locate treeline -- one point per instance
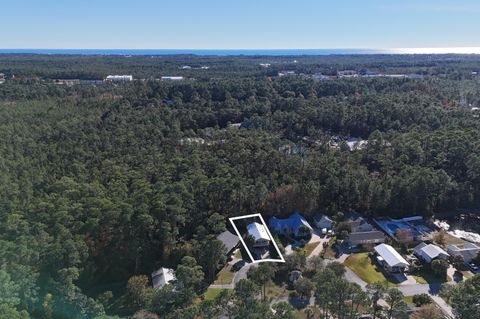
(88, 67)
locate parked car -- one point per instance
(238, 265)
(473, 267)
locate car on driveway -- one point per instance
(238, 265)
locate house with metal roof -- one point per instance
(163, 276)
(390, 259)
(323, 221)
(259, 233)
(294, 226)
(230, 241)
(468, 251)
(357, 222)
(365, 238)
(430, 252)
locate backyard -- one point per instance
(363, 267)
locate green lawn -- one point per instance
(307, 249)
(408, 299)
(211, 293)
(225, 276)
(420, 279)
(329, 252)
(426, 277)
(362, 265)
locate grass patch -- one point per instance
(427, 277)
(451, 240)
(408, 299)
(274, 291)
(307, 249)
(467, 274)
(225, 276)
(329, 252)
(211, 293)
(362, 266)
(420, 279)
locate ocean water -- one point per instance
(280, 52)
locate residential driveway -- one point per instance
(295, 302)
(352, 277)
(447, 310)
(242, 273)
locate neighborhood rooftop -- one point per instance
(295, 221)
(430, 251)
(229, 240)
(162, 276)
(366, 237)
(390, 255)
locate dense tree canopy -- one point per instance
(102, 182)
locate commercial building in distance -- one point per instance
(119, 78)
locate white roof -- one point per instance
(390, 255)
(162, 276)
(432, 251)
(258, 231)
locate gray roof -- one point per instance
(368, 235)
(228, 239)
(322, 218)
(432, 251)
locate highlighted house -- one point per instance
(390, 259)
(259, 233)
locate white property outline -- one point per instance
(232, 219)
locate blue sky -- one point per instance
(239, 24)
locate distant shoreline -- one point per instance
(249, 52)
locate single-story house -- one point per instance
(163, 276)
(390, 259)
(294, 226)
(323, 221)
(259, 233)
(230, 241)
(430, 252)
(363, 238)
(357, 222)
(468, 251)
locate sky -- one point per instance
(238, 24)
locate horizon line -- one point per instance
(287, 51)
